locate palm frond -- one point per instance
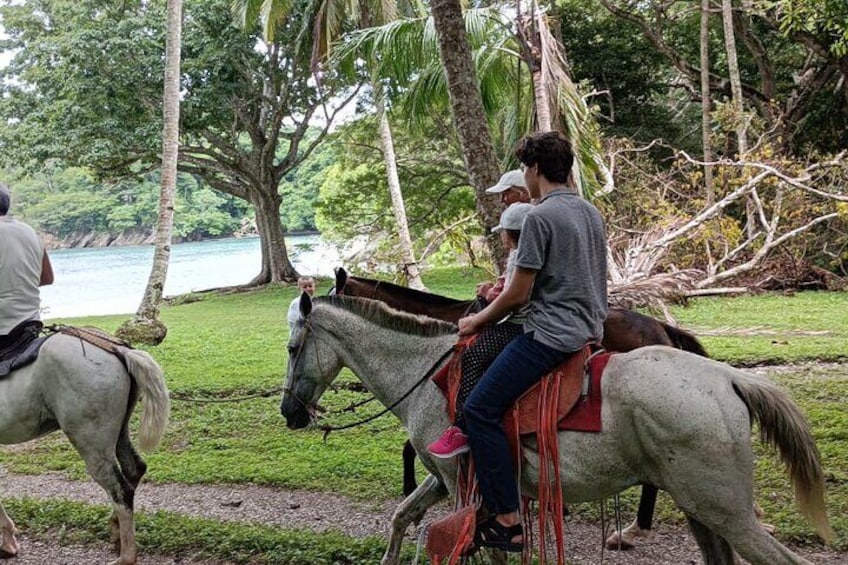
(654, 292)
(270, 14)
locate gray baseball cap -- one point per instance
(513, 217)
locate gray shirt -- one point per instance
(20, 273)
(564, 240)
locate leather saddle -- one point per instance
(20, 347)
(562, 388)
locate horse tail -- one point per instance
(681, 339)
(151, 383)
(784, 427)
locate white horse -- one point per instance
(670, 418)
(89, 394)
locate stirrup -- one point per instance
(492, 533)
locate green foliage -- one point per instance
(614, 57)
(354, 198)
(300, 188)
(406, 53)
(825, 19)
(71, 202)
(56, 102)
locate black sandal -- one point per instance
(492, 533)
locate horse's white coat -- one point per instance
(670, 418)
(85, 392)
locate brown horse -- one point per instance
(624, 330)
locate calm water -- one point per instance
(111, 280)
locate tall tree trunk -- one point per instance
(276, 266)
(738, 107)
(410, 266)
(146, 326)
(543, 104)
(469, 118)
(706, 101)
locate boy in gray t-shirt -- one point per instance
(561, 272)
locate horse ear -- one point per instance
(341, 279)
(305, 305)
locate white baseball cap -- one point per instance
(513, 217)
(508, 180)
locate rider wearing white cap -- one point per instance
(511, 188)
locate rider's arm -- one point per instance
(515, 295)
(46, 271)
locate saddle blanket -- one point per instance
(574, 387)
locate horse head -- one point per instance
(312, 366)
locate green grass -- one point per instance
(235, 345)
(786, 318)
(178, 535)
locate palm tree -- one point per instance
(517, 87)
(469, 117)
(146, 327)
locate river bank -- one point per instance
(141, 237)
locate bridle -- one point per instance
(327, 428)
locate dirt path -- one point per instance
(298, 509)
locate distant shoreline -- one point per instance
(137, 237)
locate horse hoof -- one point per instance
(618, 542)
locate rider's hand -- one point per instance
(467, 326)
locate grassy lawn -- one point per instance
(771, 328)
(234, 345)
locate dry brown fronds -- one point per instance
(654, 293)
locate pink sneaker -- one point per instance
(452, 443)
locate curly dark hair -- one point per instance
(551, 151)
(5, 199)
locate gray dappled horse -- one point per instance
(90, 395)
(624, 330)
(670, 418)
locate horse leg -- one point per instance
(133, 468)
(714, 549)
(9, 545)
(101, 464)
(641, 526)
(722, 501)
(409, 483)
(753, 543)
(412, 508)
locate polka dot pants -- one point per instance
(477, 358)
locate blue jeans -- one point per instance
(520, 365)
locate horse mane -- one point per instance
(386, 317)
(413, 294)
